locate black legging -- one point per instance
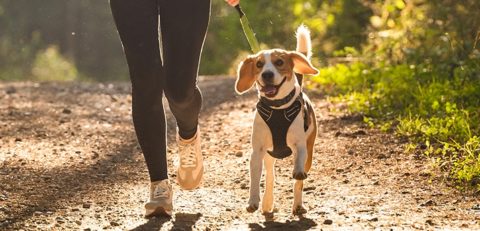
(183, 25)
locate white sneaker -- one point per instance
(190, 169)
(160, 199)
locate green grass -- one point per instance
(437, 107)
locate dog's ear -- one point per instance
(245, 75)
(301, 64)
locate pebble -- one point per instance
(37, 213)
(327, 222)
(67, 111)
(428, 203)
(86, 205)
(381, 156)
(11, 90)
(359, 133)
(311, 188)
(60, 220)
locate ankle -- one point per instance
(188, 135)
(187, 140)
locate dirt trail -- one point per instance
(69, 161)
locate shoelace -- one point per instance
(187, 155)
(160, 191)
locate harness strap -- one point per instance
(278, 121)
(278, 102)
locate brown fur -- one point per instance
(311, 140)
(286, 68)
(246, 75)
(248, 70)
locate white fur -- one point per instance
(304, 44)
(296, 139)
(287, 87)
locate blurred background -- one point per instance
(71, 39)
(407, 66)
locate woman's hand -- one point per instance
(233, 2)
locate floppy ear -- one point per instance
(301, 64)
(245, 75)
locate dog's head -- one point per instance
(273, 71)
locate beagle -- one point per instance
(284, 122)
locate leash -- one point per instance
(247, 30)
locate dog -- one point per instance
(284, 122)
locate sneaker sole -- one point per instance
(198, 185)
(159, 212)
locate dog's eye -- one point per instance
(279, 62)
(260, 64)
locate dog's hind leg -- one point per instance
(310, 143)
(256, 161)
(267, 202)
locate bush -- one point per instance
(418, 74)
(50, 65)
(424, 104)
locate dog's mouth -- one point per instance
(271, 90)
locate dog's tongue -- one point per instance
(269, 90)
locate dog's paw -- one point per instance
(299, 175)
(267, 210)
(252, 208)
(299, 210)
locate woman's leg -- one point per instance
(137, 24)
(183, 27)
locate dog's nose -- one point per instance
(267, 76)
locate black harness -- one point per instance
(279, 120)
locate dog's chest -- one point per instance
(279, 121)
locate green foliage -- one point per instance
(49, 65)
(85, 33)
(419, 75)
(467, 168)
(427, 106)
(335, 24)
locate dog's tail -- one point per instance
(304, 42)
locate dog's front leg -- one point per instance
(256, 161)
(300, 160)
(298, 207)
(267, 202)
(299, 174)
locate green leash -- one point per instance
(247, 30)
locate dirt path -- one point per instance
(69, 161)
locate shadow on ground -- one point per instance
(37, 189)
(303, 223)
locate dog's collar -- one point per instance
(278, 102)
